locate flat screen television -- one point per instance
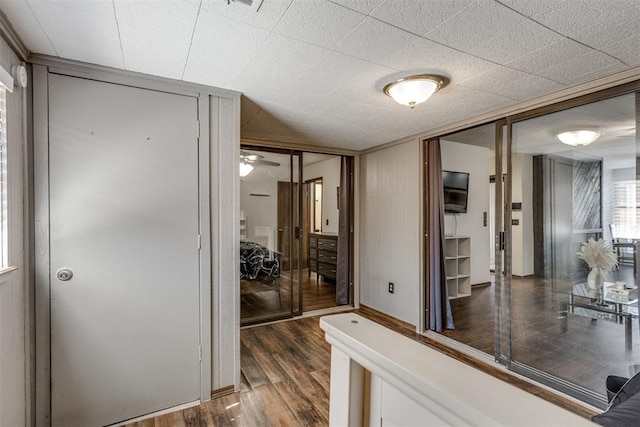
(456, 191)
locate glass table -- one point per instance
(608, 304)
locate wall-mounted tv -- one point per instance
(456, 191)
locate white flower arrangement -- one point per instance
(598, 254)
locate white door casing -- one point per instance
(125, 329)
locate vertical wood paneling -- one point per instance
(14, 342)
(390, 225)
(225, 210)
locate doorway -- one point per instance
(270, 250)
(123, 288)
(303, 222)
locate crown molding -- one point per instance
(297, 146)
(11, 37)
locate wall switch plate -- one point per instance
(484, 219)
(391, 287)
(515, 222)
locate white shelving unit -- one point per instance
(243, 226)
(457, 253)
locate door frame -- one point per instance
(42, 264)
(293, 179)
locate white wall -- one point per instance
(260, 210)
(390, 224)
(522, 234)
(14, 362)
(329, 171)
(475, 161)
(521, 192)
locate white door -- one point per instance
(124, 220)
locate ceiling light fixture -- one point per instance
(414, 90)
(245, 169)
(578, 138)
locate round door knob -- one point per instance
(64, 274)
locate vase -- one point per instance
(595, 279)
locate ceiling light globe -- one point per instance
(413, 90)
(578, 138)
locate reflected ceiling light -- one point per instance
(578, 138)
(245, 169)
(414, 90)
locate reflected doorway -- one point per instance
(292, 233)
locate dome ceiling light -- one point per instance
(578, 138)
(414, 90)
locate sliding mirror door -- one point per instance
(269, 235)
(467, 161)
(573, 179)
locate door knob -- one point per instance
(64, 274)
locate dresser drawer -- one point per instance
(313, 253)
(313, 241)
(327, 243)
(327, 270)
(327, 256)
(313, 265)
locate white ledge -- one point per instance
(454, 392)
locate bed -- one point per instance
(258, 261)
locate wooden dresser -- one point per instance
(323, 255)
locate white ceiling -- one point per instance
(614, 118)
(312, 70)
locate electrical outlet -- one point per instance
(327, 221)
(515, 221)
(484, 219)
(391, 287)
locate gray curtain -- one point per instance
(345, 216)
(440, 316)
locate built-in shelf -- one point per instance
(458, 266)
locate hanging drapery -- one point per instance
(440, 316)
(343, 280)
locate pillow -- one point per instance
(628, 389)
(624, 414)
(614, 384)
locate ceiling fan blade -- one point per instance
(263, 162)
(250, 156)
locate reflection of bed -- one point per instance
(258, 261)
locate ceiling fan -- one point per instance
(255, 159)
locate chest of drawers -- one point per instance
(323, 255)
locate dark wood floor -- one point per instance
(585, 354)
(272, 296)
(285, 378)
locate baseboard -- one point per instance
(222, 392)
(383, 318)
(158, 413)
(481, 285)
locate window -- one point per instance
(625, 215)
(4, 238)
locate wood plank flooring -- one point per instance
(285, 378)
(273, 296)
(585, 354)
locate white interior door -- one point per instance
(124, 219)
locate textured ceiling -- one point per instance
(312, 70)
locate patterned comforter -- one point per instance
(256, 260)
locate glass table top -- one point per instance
(611, 294)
